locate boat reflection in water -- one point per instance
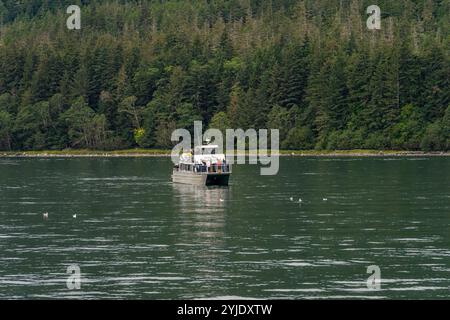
(201, 238)
(200, 199)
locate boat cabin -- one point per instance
(204, 159)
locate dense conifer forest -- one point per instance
(139, 69)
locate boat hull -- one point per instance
(210, 179)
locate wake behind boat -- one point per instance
(204, 167)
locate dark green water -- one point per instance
(138, 236)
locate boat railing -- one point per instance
(205, 169)
(214, 168)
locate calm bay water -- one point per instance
(138, 236)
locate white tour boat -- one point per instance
(205, 166)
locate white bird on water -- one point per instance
(45, 215)
(300, 200)
(325, 199)
(221, 200)
(74, 216)
(291, 198)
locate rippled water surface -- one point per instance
(138, 236)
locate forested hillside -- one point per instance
(139, 69)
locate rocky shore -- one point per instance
(166, 153)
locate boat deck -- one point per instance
(202, 174)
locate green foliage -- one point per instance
(221, 122)
(408, 132)
(139, 69)
(437, 135)
(85, 128)
(139, 135)
(299, 139)
(163, 133)
(128, 106)
(186, 115)
(278, 118)
(5, 130)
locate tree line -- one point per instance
(139, 69)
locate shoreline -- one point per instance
(142, 153)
